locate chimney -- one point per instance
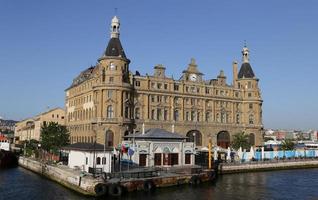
(234, 73)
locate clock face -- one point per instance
(193, 77)
(112, 66)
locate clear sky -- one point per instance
(45, 44)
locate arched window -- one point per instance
(98, 161)
(104, 160)
(194, 136)
(251, 119)
(137, 113)
(110, 112)
(109, 139)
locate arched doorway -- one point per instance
(223, 139)
(195, 136)
(251, 139)
(109, 138)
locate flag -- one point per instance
(131, 152)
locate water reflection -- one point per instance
(19, 183)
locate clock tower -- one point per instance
(192, 73)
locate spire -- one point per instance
(246, 70)
(114, 28)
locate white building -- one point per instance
(158, 147)
(85, 156)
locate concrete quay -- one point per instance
(118, 183)
(230, 168)
(65, 176)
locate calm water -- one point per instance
(19, 184)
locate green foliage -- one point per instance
(240, 140)
(288, 144)
(31, 147)
(53, 137)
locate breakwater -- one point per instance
(69, 178)
(229, 168)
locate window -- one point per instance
(98, 161)
(192, 115)
(236, 94)
(176, 87)
(249, 84)
(152, 98)
(109, 138)
(166, 86)
(110, 112)
(192, 102)
(52, 115)
(176, 115)
(111, 79)
(57, 116)
(158, 98)
(159, 85)
(198, 116)
(249, 94)
(159, 114)
(165, 114)
(153, 114)
(217, 92)
(137, 113)
(126, 112)
(207, 91)
(103, 75)
(237, 118)
(250, 106)
(109, 93)
(137, 83)
(104, 160)
(251, 119)
(86, 161)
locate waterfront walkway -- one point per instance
(276, 164)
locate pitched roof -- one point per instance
(87, 147)
(114, 48)
(156, 133)
(246, 71)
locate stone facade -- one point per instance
(30, 128)
(106, 102)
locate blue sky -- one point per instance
(45, 44)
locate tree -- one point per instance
(53, 137)
(240, 140)
(288, 144)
